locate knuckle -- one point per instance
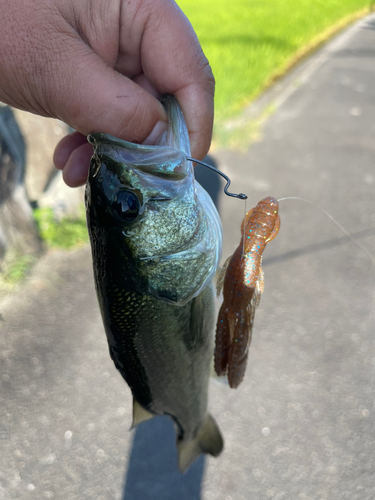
(134, 122)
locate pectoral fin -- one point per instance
(139, 414)
(208, 440)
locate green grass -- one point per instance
(249, 42)
(18, 268)
(67, 233)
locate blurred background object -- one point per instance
(41, 136)
(37, 209)
(18, 232)
(44, 184)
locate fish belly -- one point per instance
(164, 352)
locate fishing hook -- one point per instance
(240, 196)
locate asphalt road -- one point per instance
(301, 426)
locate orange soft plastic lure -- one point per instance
(242, 276)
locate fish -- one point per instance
(156, 241)
(242, 282)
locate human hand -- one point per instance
(101, 66)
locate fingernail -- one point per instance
(157, 131)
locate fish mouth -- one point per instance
(168, 156)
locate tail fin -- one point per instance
(139, 414)
(208, 440)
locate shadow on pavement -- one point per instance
(371, 24)
(152, 470)
(354, 53)
(209, 180)
(317, 247)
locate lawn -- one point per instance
(249, 41)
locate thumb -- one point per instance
(92, 97)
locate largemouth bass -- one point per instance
(156, 243)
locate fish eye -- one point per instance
(126, 205)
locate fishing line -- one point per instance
(243, 232)
(334, 221)
(240, 196)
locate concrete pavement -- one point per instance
(302, 424)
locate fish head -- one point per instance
(144, 209)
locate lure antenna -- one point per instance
(240, 196)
